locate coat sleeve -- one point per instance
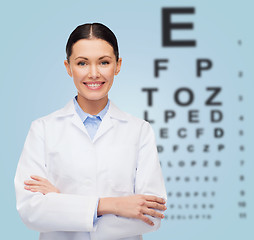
(149, 181)
(53, 211)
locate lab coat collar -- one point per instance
(113, 111)
(106, 124)
(116, 113)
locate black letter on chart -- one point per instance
(209, 101)
(216, 116)
(190, 95)
(150, 95)
(147, 118)
(203, 64)
(168, 26)
(157, 67)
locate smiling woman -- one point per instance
(89, 170)
(92, 65)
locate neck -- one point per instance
(92, 107)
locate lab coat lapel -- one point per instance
(104, 127)
(69, 110)
(78, 123)
(107, 122)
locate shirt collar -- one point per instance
(83, 115)
(113, 111)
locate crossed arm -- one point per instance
(134, 206)
(47, 210)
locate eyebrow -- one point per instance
(99, 57)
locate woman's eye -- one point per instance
(104, 63)
(81, 63)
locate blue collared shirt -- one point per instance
(92, 123)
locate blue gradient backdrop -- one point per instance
(34, 83)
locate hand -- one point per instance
(39, 184)
(135, 206)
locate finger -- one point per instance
(155, 199)
(153, 213)
(35, 189)
(155, 205)
(32, 182)
(146, 220)
(38, 178)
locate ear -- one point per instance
(118, 66)
(68, 68)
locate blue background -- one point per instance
(34, 83)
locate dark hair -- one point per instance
(89, 31)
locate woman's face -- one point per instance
(92, 65)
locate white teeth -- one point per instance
(93, 85)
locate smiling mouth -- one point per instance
(93, 85)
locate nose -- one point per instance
(93, 73)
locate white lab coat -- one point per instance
(121, 160)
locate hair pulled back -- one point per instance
(90, 31)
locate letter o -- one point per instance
(190, 94)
